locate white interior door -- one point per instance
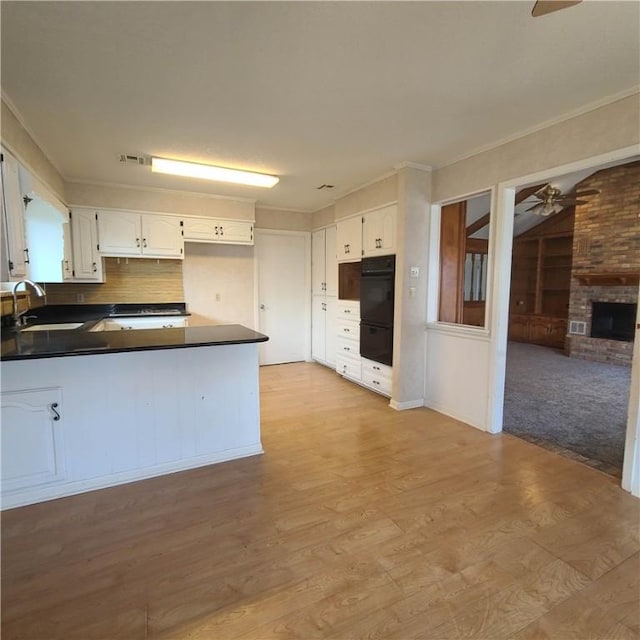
(284, 282)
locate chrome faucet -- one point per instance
(40, 292)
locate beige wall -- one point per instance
(602, 130)
(324, 217)
(412, 242)
(226, 271)
(282, 220)
(161, 200)
(374, 195)
(18, 140)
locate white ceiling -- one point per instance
(315, 92)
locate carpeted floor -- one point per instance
(575, 407)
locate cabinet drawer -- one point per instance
(349, 310)
(348, 329)
(377, 368)
(379, 383)
(349, 366)
(347, 347)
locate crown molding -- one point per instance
(407, 164)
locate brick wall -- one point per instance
(606, 240)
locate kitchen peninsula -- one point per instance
(84, 410)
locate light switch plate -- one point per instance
(415, 272)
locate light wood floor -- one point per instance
(357, 522)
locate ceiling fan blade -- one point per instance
(535, 206)
(569, 202)
(587, 192)
(542, 7)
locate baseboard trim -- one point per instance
(23, 497)
(407, 404)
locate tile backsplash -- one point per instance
(126, 280)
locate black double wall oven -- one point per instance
(377, 287)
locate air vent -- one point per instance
(325, 186)
(577, 328)
(129, 158)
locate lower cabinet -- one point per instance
(32, 439)
(543, 330)
(376, 376)
(323, 329)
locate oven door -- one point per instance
(376, 298)
(376, 343)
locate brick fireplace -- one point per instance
(606, 259)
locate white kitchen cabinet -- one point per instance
(349, 239)
(348, 339)
(157, 322)
(377, 376)
(32, 439)
(218, 230)
(17, 252)
(87, 261)
(139, 235)
(379, 232)
(324, 264)
(323, 332)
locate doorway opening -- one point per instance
(567, 385)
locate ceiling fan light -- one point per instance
(211, 172)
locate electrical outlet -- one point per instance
(218, 297)
(412, 292)
(80, 297)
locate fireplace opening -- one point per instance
(613, 320)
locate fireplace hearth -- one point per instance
(613, 320)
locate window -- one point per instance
(464, 248)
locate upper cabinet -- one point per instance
(369, 234)
(17, 253)
(379, 232)
(139, 235)
(349, 239)
(324, 266)
(218, 230)
(87, 262)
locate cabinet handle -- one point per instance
(138, 242)
(376, 368)
(347, 348)
(26, 255)
(221, 231)
(144, 242)
(346, 330)
(347, 310)
(56, 416)
(167, 326)
(376, 382)
(95, 267)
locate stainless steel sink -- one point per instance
(53, 327)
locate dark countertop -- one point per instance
(18, 345)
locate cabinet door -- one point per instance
(318, 282)
(330, 262)
(13, 210)
(200, 229)
(379, 232)
(519, 328)
(32, 445)
(349, 239)
(87, 263)
(119, 233)
(161, 236)
(67, 258)
(318, 327)
(235, 232)
(557, 332)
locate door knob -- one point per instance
(262, 307)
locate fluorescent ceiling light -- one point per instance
(209, 172)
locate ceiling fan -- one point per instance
(542, 7)
(552, 200)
